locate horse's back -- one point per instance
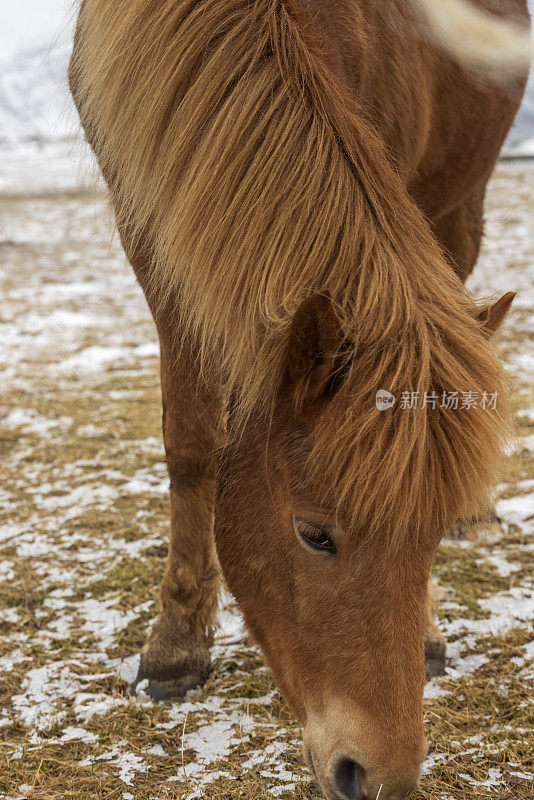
(443, 125)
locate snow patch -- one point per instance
(518, 510)
(72, 734)
(32, 422)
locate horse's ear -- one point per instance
(313, 348)
(491, 317)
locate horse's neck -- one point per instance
(376, 50)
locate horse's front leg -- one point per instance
(434, 640)
(177, 654)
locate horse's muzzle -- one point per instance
(350, 763)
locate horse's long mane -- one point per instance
(234, 150)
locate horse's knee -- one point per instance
(186, 472)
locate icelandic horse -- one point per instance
(299, 186)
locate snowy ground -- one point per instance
(83, 524)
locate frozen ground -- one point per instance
(83, 525)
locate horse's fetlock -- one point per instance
(176, 658)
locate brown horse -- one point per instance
(299, 186)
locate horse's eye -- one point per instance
(315, 536)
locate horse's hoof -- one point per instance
(167, 689)
(166, 678)
(434, 659)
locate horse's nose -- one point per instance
(348, 779)
(355, 758)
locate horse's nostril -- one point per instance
(348, 779)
